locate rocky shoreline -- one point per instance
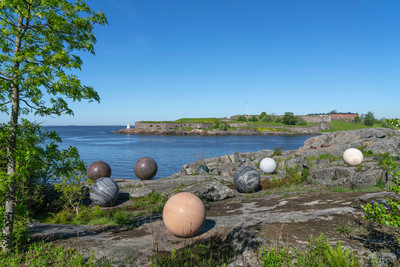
(270, 217)
(277, 130)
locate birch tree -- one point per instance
(39, 44)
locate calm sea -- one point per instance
(170, 152)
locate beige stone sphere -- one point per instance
(184, 214)
(353, 156)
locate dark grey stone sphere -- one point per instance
(98, 169)
(104, 192)
(145, 168)
(247, 179)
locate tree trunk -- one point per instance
(9, 210)
(10, 196)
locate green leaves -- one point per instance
(387, 215)
(50, 32)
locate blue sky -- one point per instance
(168, 59)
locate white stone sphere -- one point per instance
(353, 156)
(268, 165)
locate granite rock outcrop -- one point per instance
(247, 222)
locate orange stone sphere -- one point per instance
(184, 214)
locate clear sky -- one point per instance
(168, 59)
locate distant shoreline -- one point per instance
(213, 132)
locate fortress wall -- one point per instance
(168, 126)
(316, 118)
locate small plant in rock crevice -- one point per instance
(390, 215)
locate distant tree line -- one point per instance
(288, 119)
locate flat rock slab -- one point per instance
(267, 218)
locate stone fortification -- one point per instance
(166, 126)
(308, 118)
(316, 118)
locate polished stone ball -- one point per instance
(98, 169)
(145, 168)
(184, 214)
(268, 165)
(246, 179)
(353, 156)
(104, 192)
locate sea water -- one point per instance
(170, 152)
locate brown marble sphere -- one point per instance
(145, 168)
(98, 169)
(184, 214)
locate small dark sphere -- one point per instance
(98, 169)
(104, 192)
(202, 169)
(247, 180)
(145, 168)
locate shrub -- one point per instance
(223, 126)
(241, 118)
(253, 119)
(267, 118)
(369, 119)
(262, 115)
(300, 121)
(289, 118)
(387, 216)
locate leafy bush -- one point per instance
(253, 119)
(394, 122)
(300, 121)
(267, 118)
(289, 118)
(368, 119)
(39, 163)
(277, 151)
(262, 115)
(380, 214)
(241, 118)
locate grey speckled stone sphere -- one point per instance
(98, 169)
(145, 168)
(104, 192)
(246, 179)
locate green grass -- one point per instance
(206, 253)
(345, 126)
(325, 156)
(41, 254)
(374, 188)
(318, 253)
(197, 120)
(151, 204)
(343, 230)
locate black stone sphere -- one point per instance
(98, 169)
(104, 192)
(247, 180)
(145, 168)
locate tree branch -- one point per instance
(8, 38)
(29, 105)
(5, 103)
(6, 77)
